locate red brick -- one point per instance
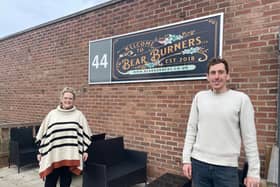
(35, 65)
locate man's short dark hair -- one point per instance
(215, 61)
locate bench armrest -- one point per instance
(100, 168)
(94, 175)
(14, 147)
(138, 156)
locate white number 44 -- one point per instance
(103, 62)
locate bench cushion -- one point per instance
(108, 152)
(123, 168)
(24, 136)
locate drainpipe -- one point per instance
(278, 108)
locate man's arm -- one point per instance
(249, 138)
(191, 132)
(190, 139)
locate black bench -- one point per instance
(22, 147)
(97, 137)
(171, 180)
(111, 165)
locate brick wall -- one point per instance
(35, 65)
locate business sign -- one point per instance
(177, 51)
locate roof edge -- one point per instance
(96, 7)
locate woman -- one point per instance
(63, 139)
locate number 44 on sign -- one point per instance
(103, 61)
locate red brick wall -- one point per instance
(36, 65)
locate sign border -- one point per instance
(154, 28)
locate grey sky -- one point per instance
(18, 15)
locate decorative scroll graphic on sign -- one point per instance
(174, 52)
(178, 51)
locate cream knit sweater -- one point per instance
(217, 124)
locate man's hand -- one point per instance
(252, 182)
(187, 170)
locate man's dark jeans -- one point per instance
(208, 175)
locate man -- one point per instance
(218, 119)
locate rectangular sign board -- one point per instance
(178, 51)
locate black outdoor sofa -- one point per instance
(111, 165)
(22, 147)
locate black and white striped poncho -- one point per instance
(63, 137)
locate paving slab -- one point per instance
(29, 177)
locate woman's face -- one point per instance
(67, 100)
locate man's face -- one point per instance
(218, 77)
(67, 100)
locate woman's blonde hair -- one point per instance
(68, 90)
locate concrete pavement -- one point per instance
(28, 177)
